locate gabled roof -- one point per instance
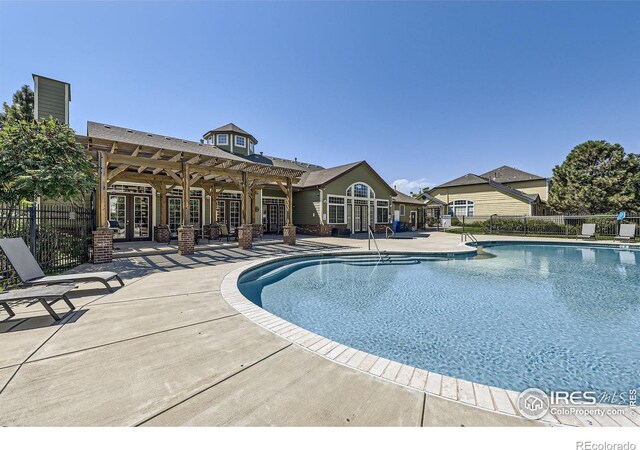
(471, 179)
(231, 128)
(316, 178)
(464, 180)
(430, 199)
(506, 174)
(322, 177)
(399, 197)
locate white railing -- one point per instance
(386, 232)
(370, 237)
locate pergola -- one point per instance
(165, 163)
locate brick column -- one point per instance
(162, 233)
(102, 245)
(245, 236)
(289, 235)
(186, 240)
(214, 231)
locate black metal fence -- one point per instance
(607, 226)
(59, 236)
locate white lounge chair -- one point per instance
(30, 272)
(627, 232)
(588, 231)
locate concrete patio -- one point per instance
(168, 350)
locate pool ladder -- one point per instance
(372, 237)
(466, 235)
(386, 232)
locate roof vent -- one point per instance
(149, 134)
(261, 153)
(129, 131)
(167, 138)
(295, 159)
(107, 126)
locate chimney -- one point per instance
(51, 99)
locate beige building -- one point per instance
(504, 191)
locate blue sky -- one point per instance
(425, 91)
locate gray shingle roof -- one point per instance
(429, 198)
(320, 177)
(506, 174)
(404, 198)
(464, 180)
(136, 137)
(472, 179)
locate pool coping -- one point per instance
(458, 390)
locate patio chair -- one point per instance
(588, 231)
(46, 295)
(30, 272)
(627, 232)
(258, 232)
(224, 232)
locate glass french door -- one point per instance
(234, 215)
(130, 216)
(118, 216)
(141, 217)
(174, 211)
(272, 218)
(360, 218)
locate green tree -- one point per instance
(596, 178)
(418, 194)
(42, 159)
(22, 107)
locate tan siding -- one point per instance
(487, 200)
(532, 187)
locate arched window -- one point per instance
(360, 190)
(461, 208)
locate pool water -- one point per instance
(548, 316)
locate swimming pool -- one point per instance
(554, 317)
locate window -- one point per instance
(360, 190)
(241, 141)
(336, 210)
(402, 210)
(251, 148)
(461, 208)
(194, 212)
(222, 139)
(382, 211)
(221, 209)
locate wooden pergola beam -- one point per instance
(174, 158)
(186, 187)
(101, 191)
(156, 155)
